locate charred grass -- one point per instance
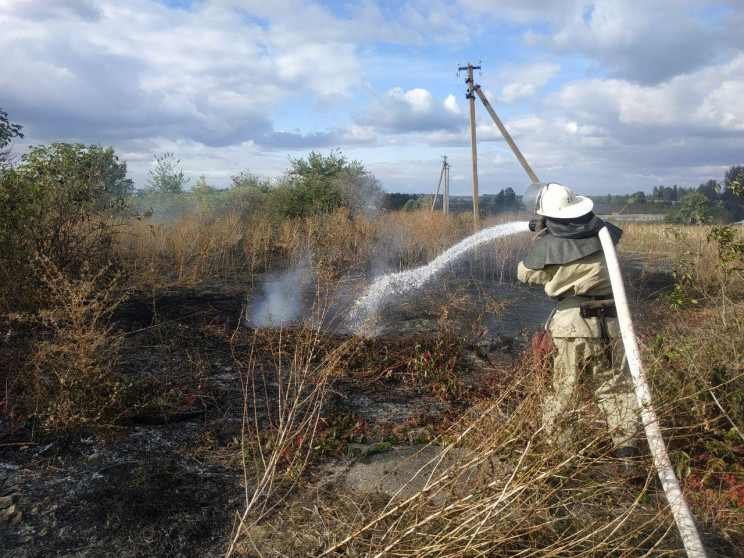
(158, 425)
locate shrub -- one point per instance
(59, 204)
(694, 209)
(320, 185)
(69, 380)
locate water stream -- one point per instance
(388, 288)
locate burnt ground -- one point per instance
(166, 480)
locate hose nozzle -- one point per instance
(537, 224)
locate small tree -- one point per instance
(321, 184)
(203, 197)
(164, 197)
(732, 195)
(248, 193)
(57, 205)
(709, 190)
(692, 209)
(167, 178)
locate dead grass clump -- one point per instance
(339, 241)
(188, 251)
(690, 253)
(498, 490)
(499, 259)
(70, 381)
(257, 243)
(404, 240)
(195, 249)
(697, 363)
(284, 387)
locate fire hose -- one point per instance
(681, 512)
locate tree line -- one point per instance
(711, 201)
(313, 185)
(489, 204)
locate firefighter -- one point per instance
(566, 258)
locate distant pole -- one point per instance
(471, 98)
(441, 174)
(445, 201)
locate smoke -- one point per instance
(280, 301)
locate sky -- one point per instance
(603, 96)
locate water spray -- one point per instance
(393, 285)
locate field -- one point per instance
(160, 405)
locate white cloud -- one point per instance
(636, 90)
(521, 11)
(40, 10)
(696, 103)
(206, 73)
(450, 104)
(724, 106)
(643, 41)
(525, 80)
(416, 110)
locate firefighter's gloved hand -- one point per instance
(536, 225)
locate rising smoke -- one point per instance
(280, 300)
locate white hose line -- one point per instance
(682, 516)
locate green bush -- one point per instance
(320, 185)
(59, 203)
(693, 209)
(8, 131)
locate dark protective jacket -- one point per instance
(563, 241)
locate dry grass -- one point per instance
(406, 240)
(695, 363)
(195, 250)
(69, 380)
(684, 250)
(192, 250)
(507, 491)
(283, 402)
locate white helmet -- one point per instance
(556, 201)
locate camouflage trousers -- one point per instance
(581, 365)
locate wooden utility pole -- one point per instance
(439, 184)
(445, 201)
(471, 98)
(445, 196)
